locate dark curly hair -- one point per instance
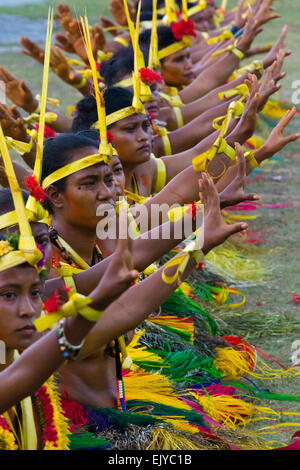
(116, 98)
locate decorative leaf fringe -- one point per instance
(88, 441)
(180, 304)
(183, 327)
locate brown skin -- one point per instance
(21, 303)
(176, 69)
(133, 142)
(90, 381)
(119, 176)
(86, 189)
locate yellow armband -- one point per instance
(250, 158)
(179, 117)
(192, 250)
(231, 48)
(121, 41)
(161, 176)
(77, 304)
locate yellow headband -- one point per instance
(127, 82)
(202, 4)
(153, 60)
(123, 113)
(37, 171)
(175, 47)
(73, 167)
(105, 149)
(28, 251)
(11, 218)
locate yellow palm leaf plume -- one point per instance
(171, 10)
(27, 243)
(153, 61)
(129, 22)
(104, 148)
(37, 171)
(40, 140)
(184, 10)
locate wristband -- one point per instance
(77, 304)
(234, 29)
(239, 33)
(68, 350)
(81, 84)
(250, 158)
(192, 250)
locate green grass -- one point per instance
(94, 8)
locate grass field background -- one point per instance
(270, 319)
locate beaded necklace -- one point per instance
(73, 259)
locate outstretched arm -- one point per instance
(23, 377)
(135, 305)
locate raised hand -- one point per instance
(63, 42)
(110, 25)
(216, 231)
(64, 15)
(98, 39)
(249, 33)
(265, 13)
(12, 123)
(234, 193)
(276, 141)
(118, 11)
(120, 273)
(17, 91)
(32, 50)
(279, 45)
(239, 19)
(268, 85)
(75, 37)
(62, 68)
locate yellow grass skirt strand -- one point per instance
(234, 364)
(235, 266)
(152, 387)
(231, 411)
(156, 388)
(139, 353)
(164, 439)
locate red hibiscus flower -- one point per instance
(183, 27)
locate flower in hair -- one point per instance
(110, 137)
(35, 189)
(54, 303)
(148, 76)
(48, 132)
(182, 28)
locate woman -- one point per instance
(133, 141)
